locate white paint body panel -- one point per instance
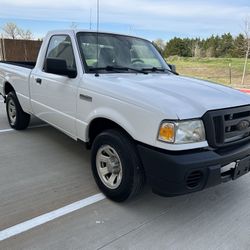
(19, 78)
(136, 102)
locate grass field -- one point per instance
(213, 69)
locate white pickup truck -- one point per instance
(142, 121)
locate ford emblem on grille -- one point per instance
(242, 125)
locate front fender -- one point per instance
(112, 115)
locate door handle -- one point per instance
(39, 80)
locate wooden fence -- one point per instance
(19, 50)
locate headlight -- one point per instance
(182, 132)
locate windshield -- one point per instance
(116, 53)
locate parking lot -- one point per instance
(43, 170)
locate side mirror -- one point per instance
(59, 67)
(173, 68)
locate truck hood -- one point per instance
(176, 97)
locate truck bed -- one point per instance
(28, 65)
(18, 74)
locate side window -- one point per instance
(60, 47)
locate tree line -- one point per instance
(214, 46)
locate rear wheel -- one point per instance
(116, 165)
(17, 118)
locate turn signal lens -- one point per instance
(167, 132)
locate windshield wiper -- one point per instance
(155, 69)
(117, 69)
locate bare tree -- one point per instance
(10, 30)
(160, 45)
(73, 25)
(25, 34)
(197, 51)
(247, 46)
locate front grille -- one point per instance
(194, 179)
(227, 126)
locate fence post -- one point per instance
(4, 51)
(1, 50)
(3, 57)
(25, 51)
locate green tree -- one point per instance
(211, 46)
(177, 46)
(239, 46)
(226, 45)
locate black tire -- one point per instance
(132, 179)
(21, 120)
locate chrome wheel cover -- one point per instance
(12, 112)
(109, 166)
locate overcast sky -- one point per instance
(148, 18)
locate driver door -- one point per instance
(53, 96)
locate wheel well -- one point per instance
(98, 125)
(8, 88)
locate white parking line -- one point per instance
(6, 130)
(40, 126)
(42, 219)
(11, 129)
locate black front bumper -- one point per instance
(175, 173)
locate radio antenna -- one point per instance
(90, 19)
(97, 36)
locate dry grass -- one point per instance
(213, 69)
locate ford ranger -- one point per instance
(142, 121)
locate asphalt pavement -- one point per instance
(43, 170)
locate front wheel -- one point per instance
(116, 166)
(17, 118)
